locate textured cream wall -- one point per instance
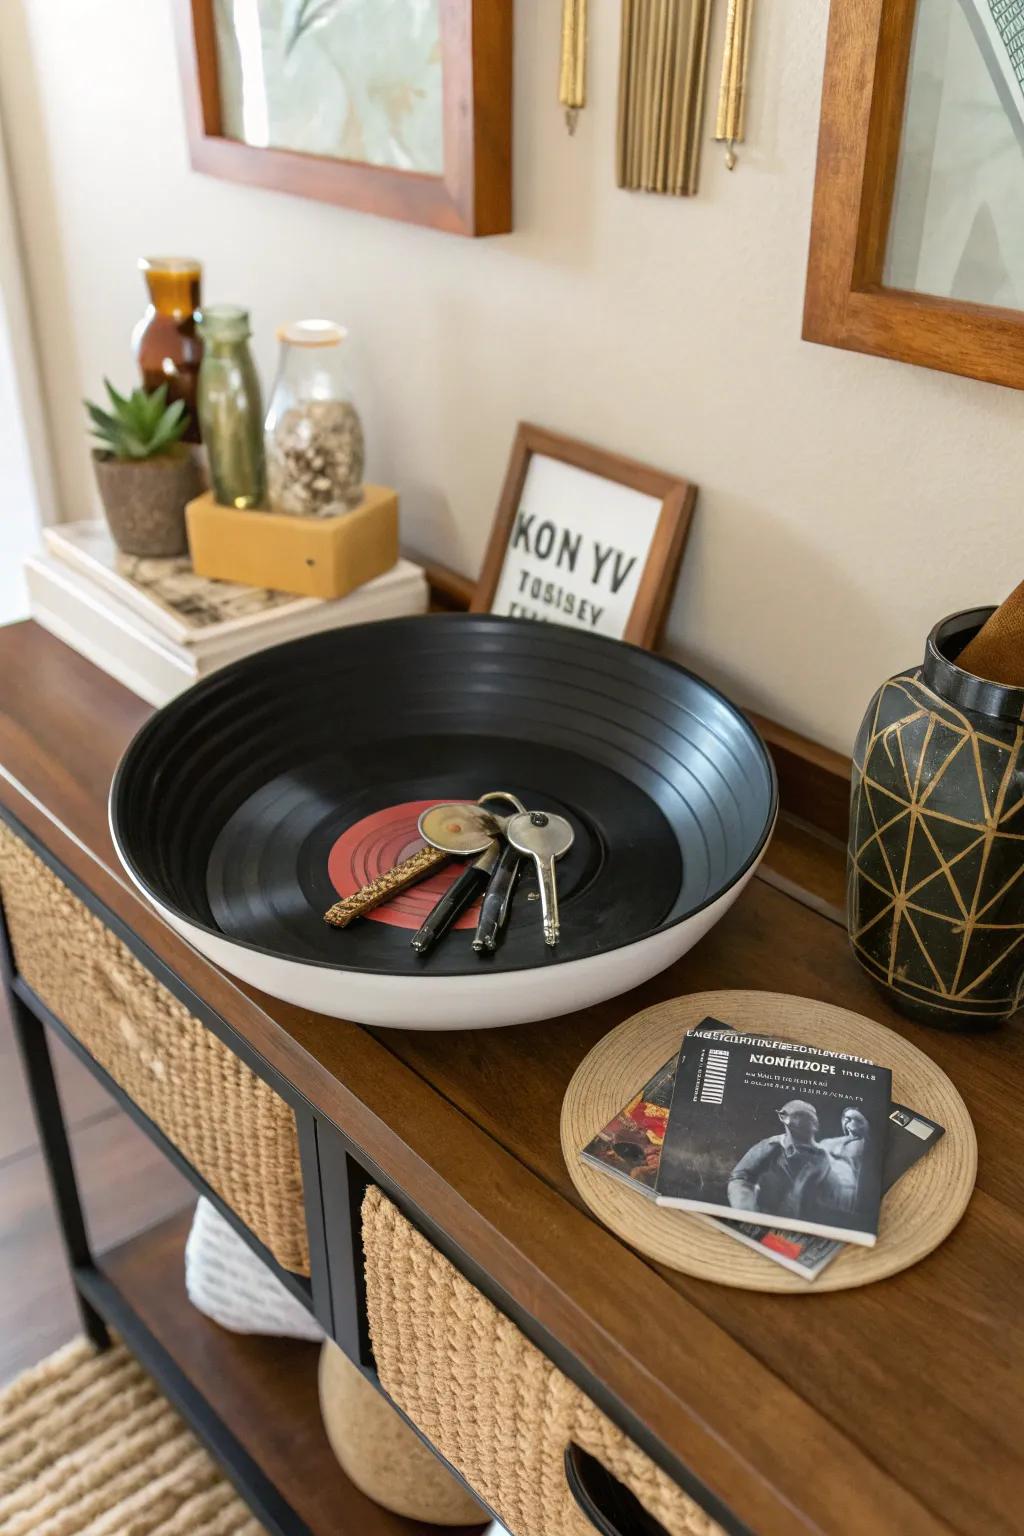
(845, 501)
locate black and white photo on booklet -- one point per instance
(777, 1134)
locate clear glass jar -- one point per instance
(231, 408)
(314, 437)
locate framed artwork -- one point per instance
(396, 107)
(585, 538)
(917, 235)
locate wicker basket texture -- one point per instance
(494, 1406)
(227, 1122)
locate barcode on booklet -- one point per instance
(712, 1088)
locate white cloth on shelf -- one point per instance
(226, 1281)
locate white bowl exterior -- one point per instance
(488, 1000)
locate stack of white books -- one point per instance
(158, 627)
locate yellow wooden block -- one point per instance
(312, 556)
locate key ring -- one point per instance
(503, 794)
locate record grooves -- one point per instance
(287, 853)
(246, 806)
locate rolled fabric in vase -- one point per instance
(997, 650)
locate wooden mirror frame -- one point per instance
(846, 304)
(474, 194)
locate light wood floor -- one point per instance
(126, 1185)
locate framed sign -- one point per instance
(403, 109)
(585, 538)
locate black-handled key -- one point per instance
(497, 900)
(456, 899)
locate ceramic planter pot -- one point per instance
(936, 856)
(145, 500)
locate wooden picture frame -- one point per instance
(652, 580)
(846, 304)
(473, 196)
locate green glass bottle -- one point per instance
(231, 408)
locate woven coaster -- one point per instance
(920, 1210)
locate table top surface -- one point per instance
(895, 1407)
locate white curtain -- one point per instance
(26, 487)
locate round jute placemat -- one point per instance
(920, 1210)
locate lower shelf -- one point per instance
(263, 1391)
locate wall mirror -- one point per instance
(402, 109)
(917, 235)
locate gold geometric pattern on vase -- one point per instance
(936, 857)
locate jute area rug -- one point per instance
(88, 1447)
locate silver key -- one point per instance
(545, 838)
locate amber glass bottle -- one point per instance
(167, 345)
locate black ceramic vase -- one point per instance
(936, 858)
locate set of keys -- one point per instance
(497, 844)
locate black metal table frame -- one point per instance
(335, 1176)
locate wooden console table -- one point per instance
(898, 1408)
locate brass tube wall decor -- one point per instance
(663, 51)
(572, 83)
(732, 96)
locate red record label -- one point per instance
(377, 843)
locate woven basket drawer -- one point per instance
(227, 1122)
(487, 1399)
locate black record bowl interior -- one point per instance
(228, 801)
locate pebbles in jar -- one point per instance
(314, 437)
(315, 458)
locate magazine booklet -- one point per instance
(214, 617)
(776, 1134)
(629, 1146)
(167, 593)
(909, 1135)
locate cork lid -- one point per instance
(312, 333)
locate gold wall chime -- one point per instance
(664, 49)
(732, 97)
(572, 81)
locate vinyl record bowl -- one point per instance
(243, 807)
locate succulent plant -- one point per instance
(141, 426)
